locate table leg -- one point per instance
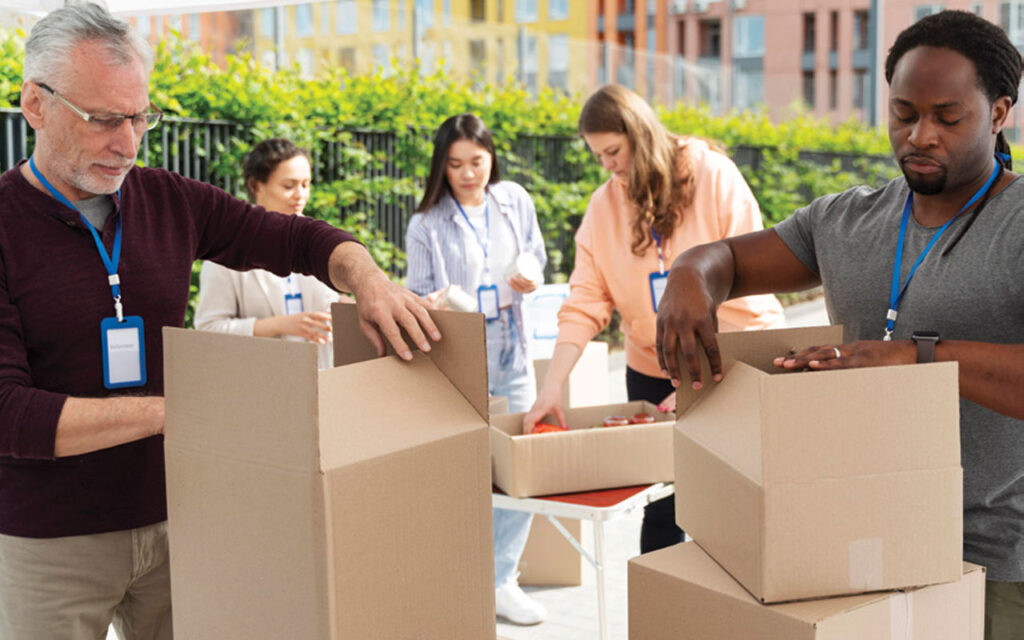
(602, 616)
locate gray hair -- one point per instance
(49, 48)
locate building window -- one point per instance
(925, 10)
(749, 89)
(446, 12)
(526, 11)
(400, 14)
(1011, 19)
(558, 10)
(446, 55)
(347, 58)
(976, 8)
(142, 27)
(530, 64)
(267, 20)
(499, 54)
(478, 60)
(558, 62)
(710, 39)
(808, 33)
(381, 15)
(860, 30)
(305, 60)
(861, 89)
(681, 37)
(748, 37)
(304, 21)
(833, 90)
(478, 10)
(833, 31)
(425, 9)
(381, 52)
(345, 17)
(500, 14)
(809, 88)
(193, 27)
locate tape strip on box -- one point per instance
(866, 564)
(901, 616)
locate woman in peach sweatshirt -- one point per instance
(666, 194)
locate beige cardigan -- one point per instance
(231, 301)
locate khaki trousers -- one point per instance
(1004, 610)
(72, 588)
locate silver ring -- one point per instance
(836, 351)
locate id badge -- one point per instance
(292, 303)
(487, 299)
(124, 352)
(658, 282)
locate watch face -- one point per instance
(925, 335)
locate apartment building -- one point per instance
(530, 41)
(737, 54)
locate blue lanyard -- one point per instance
(110, 262)
(896, 293)
(661, 256)
(476, 234)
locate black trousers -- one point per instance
(659, 529)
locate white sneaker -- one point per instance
(511, 603)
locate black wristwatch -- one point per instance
(926, 341)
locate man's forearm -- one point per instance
(351, 267)
(90, 424)
(991, 375)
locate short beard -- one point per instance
(926, 187)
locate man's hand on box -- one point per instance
(865, 353)
(386, 306)
(687, 324)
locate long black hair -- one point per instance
(261, 161)
(464, 126)
(997, 63)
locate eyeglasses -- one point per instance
(107, 123)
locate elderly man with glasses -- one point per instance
(96, 255)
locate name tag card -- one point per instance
(658, 282)
(124, 352)
(487, 298)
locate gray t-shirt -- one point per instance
(96, 210)
(976, 292)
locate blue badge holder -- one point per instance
(487, 301)
(658, 282)
(138, 377)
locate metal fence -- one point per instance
(193, 148)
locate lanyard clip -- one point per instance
(118, 309)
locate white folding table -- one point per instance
(597, 507)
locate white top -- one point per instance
(500, 248)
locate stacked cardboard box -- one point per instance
(803, 485)
(345, 504)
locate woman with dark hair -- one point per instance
(477, 233)
(666, 194)
(277, 176)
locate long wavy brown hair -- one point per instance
(661, 179)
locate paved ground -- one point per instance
(572, 611)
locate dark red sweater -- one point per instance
(53, 294)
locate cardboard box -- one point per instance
(818, 483)
(681, 593)
(548, 558)
(588, 381)
(346, 504)
(583, 458)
